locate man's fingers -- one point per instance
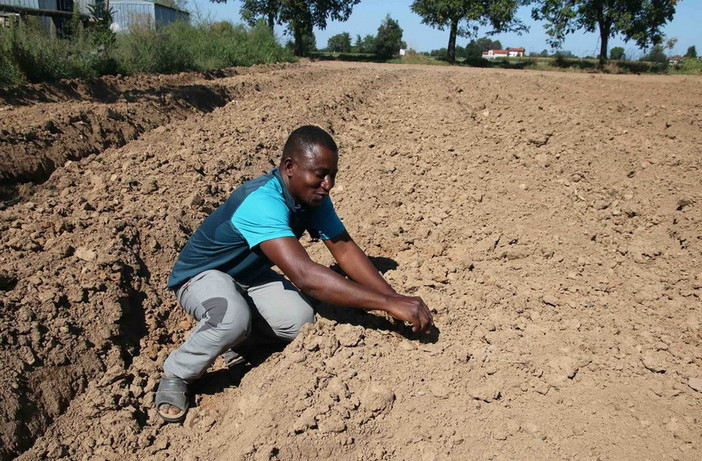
(423, 321)
(426, 313)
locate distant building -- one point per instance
(675, 60)
(7, 19)
(507, 53)
(129, 13)
(55, 14)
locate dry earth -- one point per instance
(552, 221)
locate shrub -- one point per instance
(388, 41)
(27, 54)
(147, 50)
(40, 58)
(180, 47)
(9, 72)
(691, 66)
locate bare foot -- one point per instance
(169, 410)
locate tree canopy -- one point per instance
(340, 43)
(365, 44)
(656, 54)
(252, 11)
(388, 41)
(640, 20)
(617, 53)
(464, 17)
(691, 52)
(301, 17)
(475, 48)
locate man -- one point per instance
(223, 276)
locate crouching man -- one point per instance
(223, 276)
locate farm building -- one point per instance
(126, 13)
(52, 13)
(507, 53)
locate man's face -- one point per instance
(311, 176)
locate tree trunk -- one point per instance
(298, 36)
(271, 21)
(604, 39)
(451, 49)
(605, 24)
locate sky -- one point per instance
(368, 14)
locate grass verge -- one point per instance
(28, 55)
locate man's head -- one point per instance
(309, 165)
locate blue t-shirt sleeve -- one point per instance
(259, 220)
(326, 224)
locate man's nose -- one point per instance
(327, 183)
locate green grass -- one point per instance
(354, 57)
(417, 58)
(27, 55)
(560, 64)
(690, 66)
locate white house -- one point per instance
(507, 53)
(494, 54)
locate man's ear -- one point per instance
(287, 165)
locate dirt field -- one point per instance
(552, 221)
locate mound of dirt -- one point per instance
(45, 125)
(551, 221)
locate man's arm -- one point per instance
(326, 285)
(356, 264)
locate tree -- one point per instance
(252, 11)
(617, 53)
(563, 54)
(340, 43)
(671, 42)
(475, 48)
(101, 18)
(691, 52)
(440, 53)
(641, 21)
(464, 17)
(306, 42)
(461, 52)
(365, 44)
(656, 54)
(301, 17)
(388, 41)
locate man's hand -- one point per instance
(410, 309)
(326, 285)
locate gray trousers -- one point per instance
(228, 313)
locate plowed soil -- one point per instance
(552, 221)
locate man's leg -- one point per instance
(281, 310)
(224, 320)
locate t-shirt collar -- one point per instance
(289, 200)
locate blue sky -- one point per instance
(368, 14)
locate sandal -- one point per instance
(232, 358)
(172, 391)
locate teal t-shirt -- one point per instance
(261, 209)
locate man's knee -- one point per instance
(294, 323)
(226, 322)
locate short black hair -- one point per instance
(303, 139)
